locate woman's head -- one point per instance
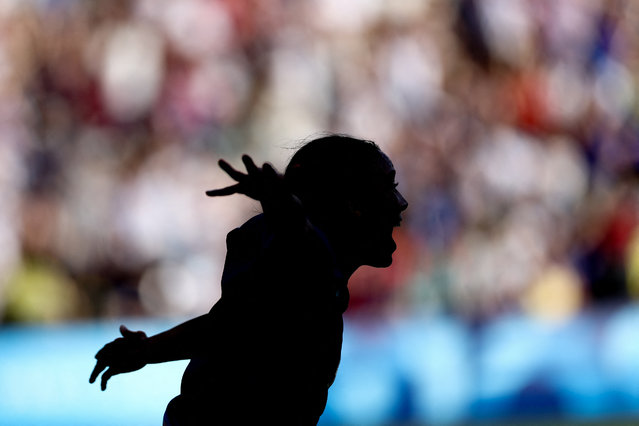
(347, 186)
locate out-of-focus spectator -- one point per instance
(513, 126)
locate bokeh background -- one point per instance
(514, 128)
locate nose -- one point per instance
(401, 201)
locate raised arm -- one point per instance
(267, 186)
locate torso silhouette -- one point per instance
(278, 334)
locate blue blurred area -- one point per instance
(44, 373)
(430, 369)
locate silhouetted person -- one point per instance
(269, 349)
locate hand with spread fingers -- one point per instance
(261, 184)
(123, 355)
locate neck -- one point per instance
(346, 262)
(347, 268)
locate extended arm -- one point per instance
(134, 350)
(184, 341)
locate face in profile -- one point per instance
(348, 188)
(377, 212)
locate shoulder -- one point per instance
(249, 229)
(258, 232)
(258, 247)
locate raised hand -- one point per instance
(257, 183)
(123, 355)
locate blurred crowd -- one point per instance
(513, 125)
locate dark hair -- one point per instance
(330, 170)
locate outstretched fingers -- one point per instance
(99, 367)
(229, 190)
(269, 170)
(251, 168)
(236, 175)
(105, 378)
(255, 183)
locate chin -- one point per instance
(384, 263)
(382, 259)
(380, 262)
(378, 251)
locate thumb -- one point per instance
(128, 333)
(125, 332)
